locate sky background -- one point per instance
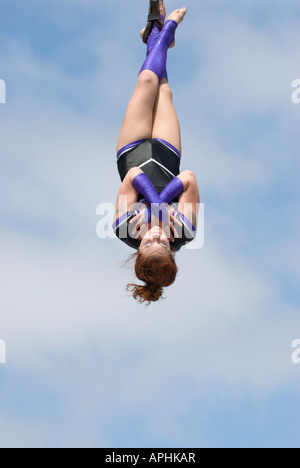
(211, 365)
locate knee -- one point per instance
(147, 78)
(166, 91)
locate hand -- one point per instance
(169, 226)
(142, 224)
(141, 227)
(169, 229)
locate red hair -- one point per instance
(157, 271)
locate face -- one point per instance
(155, 239)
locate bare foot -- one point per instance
(162, 8)
(178, 15)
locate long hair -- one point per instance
(157, 271)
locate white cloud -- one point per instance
(65, 316)
(70, 294)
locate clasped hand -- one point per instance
(155, 214)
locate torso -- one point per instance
(161, 163)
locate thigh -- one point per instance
(138, 120)
(165, 122)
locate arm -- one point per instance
(127, 195)
(172, 190)
(144, 186)
(190, 198)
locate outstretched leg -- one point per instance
(165, 121)
(138, 121)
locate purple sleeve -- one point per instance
(145, 187)
(172, 191)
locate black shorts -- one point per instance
(159, 160)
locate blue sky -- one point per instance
(211, 365)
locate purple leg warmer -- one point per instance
(152, 40)
(156, 59)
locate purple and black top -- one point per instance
(160, 161)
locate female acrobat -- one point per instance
(157, 205)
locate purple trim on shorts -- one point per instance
(120, 220)
(139, 142)
(189, 225)
(164, 142)
(129, 147)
